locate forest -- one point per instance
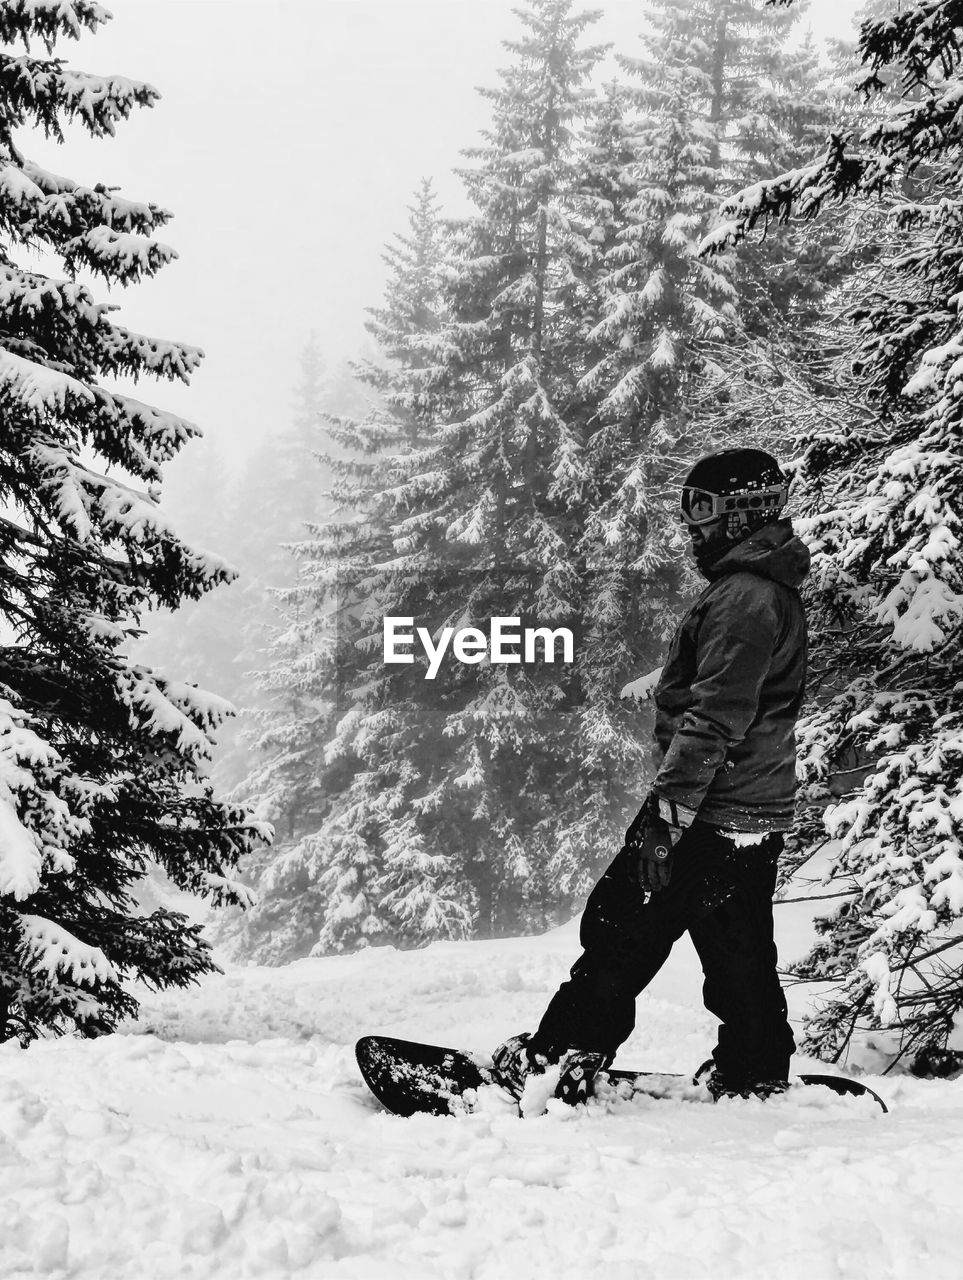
(740, 237)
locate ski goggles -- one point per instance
(700, 506)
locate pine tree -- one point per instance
(669, 339)
(405, 325)
(673, 349)
(196, 638)
(101, 775)
(283, 488)
(532, 773)
(774, 108)
(290, 706)
(448, 822)
(357, 577)
(536, 409)
(884, 489)
(659, 306)
(410, 384)
(287, 784)
(307, 875)
(559, 759)
(225, 639)
(720, 100)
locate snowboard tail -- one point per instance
(409, 1078)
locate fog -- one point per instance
(288, 141)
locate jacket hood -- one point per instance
(773, 551)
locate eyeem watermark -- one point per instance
(469, 644)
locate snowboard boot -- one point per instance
(576, 1080)
(513, 1062)
(722, 1086)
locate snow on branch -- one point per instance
(916, 607)
(29, 769)
(116, 255)
(921, 36)
(203, 707)
(20, 859)
(35, 202)
(924, 36)
(48, 19)
(161, 434)
(171, 709)
(135, 353)
(946, 359)
(36, 297)
(67, 325)
(82, 499)
(899, 835)
(37, 388)
(49, 948)
(31, 88)
(913, 491)
(225, 890)
(876, 968)
(799, 190)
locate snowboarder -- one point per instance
(701, 854)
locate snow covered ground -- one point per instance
(229, 1135)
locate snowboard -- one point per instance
(409, 1078)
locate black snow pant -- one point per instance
(722, 895)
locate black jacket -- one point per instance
(732, 687)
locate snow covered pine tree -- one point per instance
(99, 757)
(885, 531)
(322, 882)
(475, 799)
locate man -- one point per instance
(705, 844)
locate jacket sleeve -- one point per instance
(734, 649)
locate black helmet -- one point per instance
(743, 483)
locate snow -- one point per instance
(744, 839)
(664, 354)
(52, 950)
(22, 752)
(100, 101)
(38, 387)
(89, 504)
(19, 857)
(227, 1134)
(161, 433)
(643, 688)
(122, 253)
(878, 971)
(172, 708)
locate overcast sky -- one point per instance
(288, 141)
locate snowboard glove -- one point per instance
(650, 839)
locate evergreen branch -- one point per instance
(40, 92)
(22, 19)
(36, 204)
